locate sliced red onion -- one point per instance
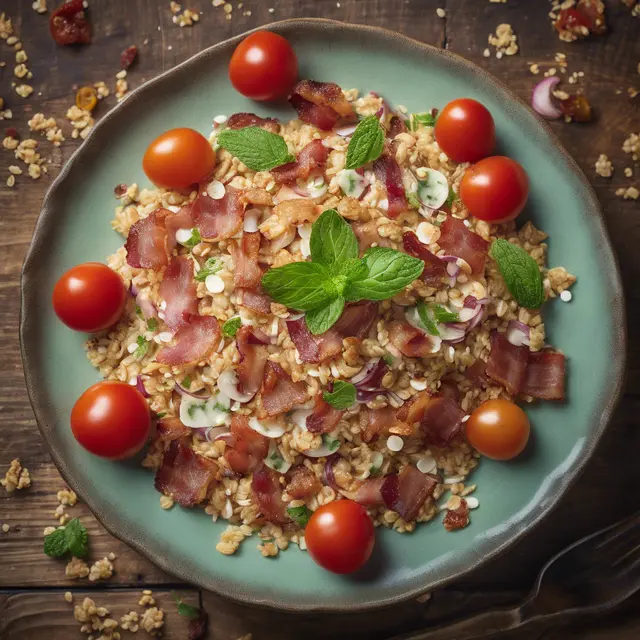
(382, 112)
(146, 306)
(227, 437)
(216, 433)
(453, 269)
(542, 99)
(140, 387)
(367, 395)
(392, 395)
(477, 318)
(328, 476)
(346, 130)
(303, 192)
(368, 373)
(228, 384)
(452, 332)
(133, 290)
(518, 334)
(185, 392)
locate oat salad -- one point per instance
(322, 325)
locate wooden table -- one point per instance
(31, 584)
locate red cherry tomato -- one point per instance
(178, 159)
(89, 297)
(465, 130)
(263, 66)
(495, 189)
(111, 420)
(498, 429)
(340, 536)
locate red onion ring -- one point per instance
(301, 191)
(140, 387)
(368, 373)
(453, 269)
(346, 130)
(147, 307)
(328, 476)
(518, 334)
(542, 98)
(184, 392)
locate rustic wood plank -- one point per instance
(46, 614)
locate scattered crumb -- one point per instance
(152, 620)
(632, 145)
(441, 13)
(67, 497)
(534, 68)
(96, 619)
(166, 502)
(129, 621)
(628, 193)
(187, 18)
(504, 40)
(147, 599)
(49, 127)
(48, 531)
(24, 90)
(68, 596)
(16, 477)
(5, 528)
(40, 6)
(81, 120)
(604, 167)
(486, 53)
(101, 570)
(76, 568)
(628, 172)
(11, 180)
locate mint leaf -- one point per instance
(300, 515)
(332, 241)
(388, 359)
(426, 318)
(441, 314)
(143, 347)
(331, 443)
(231, 326)
(353, 269)
(260, 150)
(55, 544)
(320, 319)
(152, 324)
(209, 268)
(424, 119)
(366, 144)
(162, 414)
(77, 538)
(184, 609)
(299, 285)
(194, 239)
(342, 396)
(186, 382)
(388, 272)
(520, 272)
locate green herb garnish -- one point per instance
(152, 324)
(424, 119)
(221, 407)
(366, 144)
(193, 408)
(73, 538)
(426, 318)
(194, 239)
(277, 460)
(520, 272)
(260, 150)
(389, 359)
(342, 396)
(186, 382)
(300, 515)
(412, 199)
(184, 609)
(162, 414)
(331, 443)
(442, 314)
(209, 268)
(138, 311)
(336, 275)
(451, 198)
(231, 326)
(143, 347)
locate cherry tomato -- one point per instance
(465, 130)
(495, 189)
(89, 297)
(111, 419)
(340, 536)
(498, 429)
(178, 159)
(263, 66)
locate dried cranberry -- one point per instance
(68, 24)
(198, 626)
(128, 57)
(11, 132)
(577, 108)
(457, 518)
(120, 190)
(587, 14)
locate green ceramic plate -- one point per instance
(74, 227)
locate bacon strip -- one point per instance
(218, 219)
(434, 267)
(247, 272)
(376, 422)
(253, 358)
(407, 492)
(545, 376)
(507, 364)
(303, 483)
(146, 243)
(279, 393)
(396, 126)
(256, 301)
(266, 491)
(410, 341)
(321, 104)
(246, 448)
(324, 417)
(476, 373)
(369, 493)
(313, 156)
(185, 475)
(178, 290)
(180, 220)
(356, 320)
(458, 240)
(244, 119)
(170, 429)
(194, 341)
(388, 171)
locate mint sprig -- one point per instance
(300, 515)
(231, 326)
(258, 149)
(73, 538)
(336, 275)
(366, 144)
(209, 268)
(342, 396)
(520, 272)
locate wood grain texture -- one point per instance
(606, 491)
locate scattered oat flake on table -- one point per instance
(17, 477)
(632, 145)
(441, 13)
(152, 621)
(604, 167)
(76, 568)
(504, 40)
(101, 570)
(40, 6)
(628, 193)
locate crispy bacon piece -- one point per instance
(413, 410)
(267, 493)
(180, 220)
(457, 240)
(324, 417)
(313, 156)
(476, 373)
(170, 429)
(192, 342)
(507, 364)
(407, 492)
(369, 493)
(253, 357)
(434, 267)
(246, 448)
(256, 301)
(244, 119)
(449, 389)
(146, 243)
(279, 393)
(367, 234)
(321, 104)
(396, 126)
(545, 376)
(457, 518)
(185, 475)
(388, 171)
(178, 290)
(303, 483)
(375, 422)
(247, 272)
(410, 341)
(355, 322)
(218, 219)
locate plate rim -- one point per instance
(529, 521)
